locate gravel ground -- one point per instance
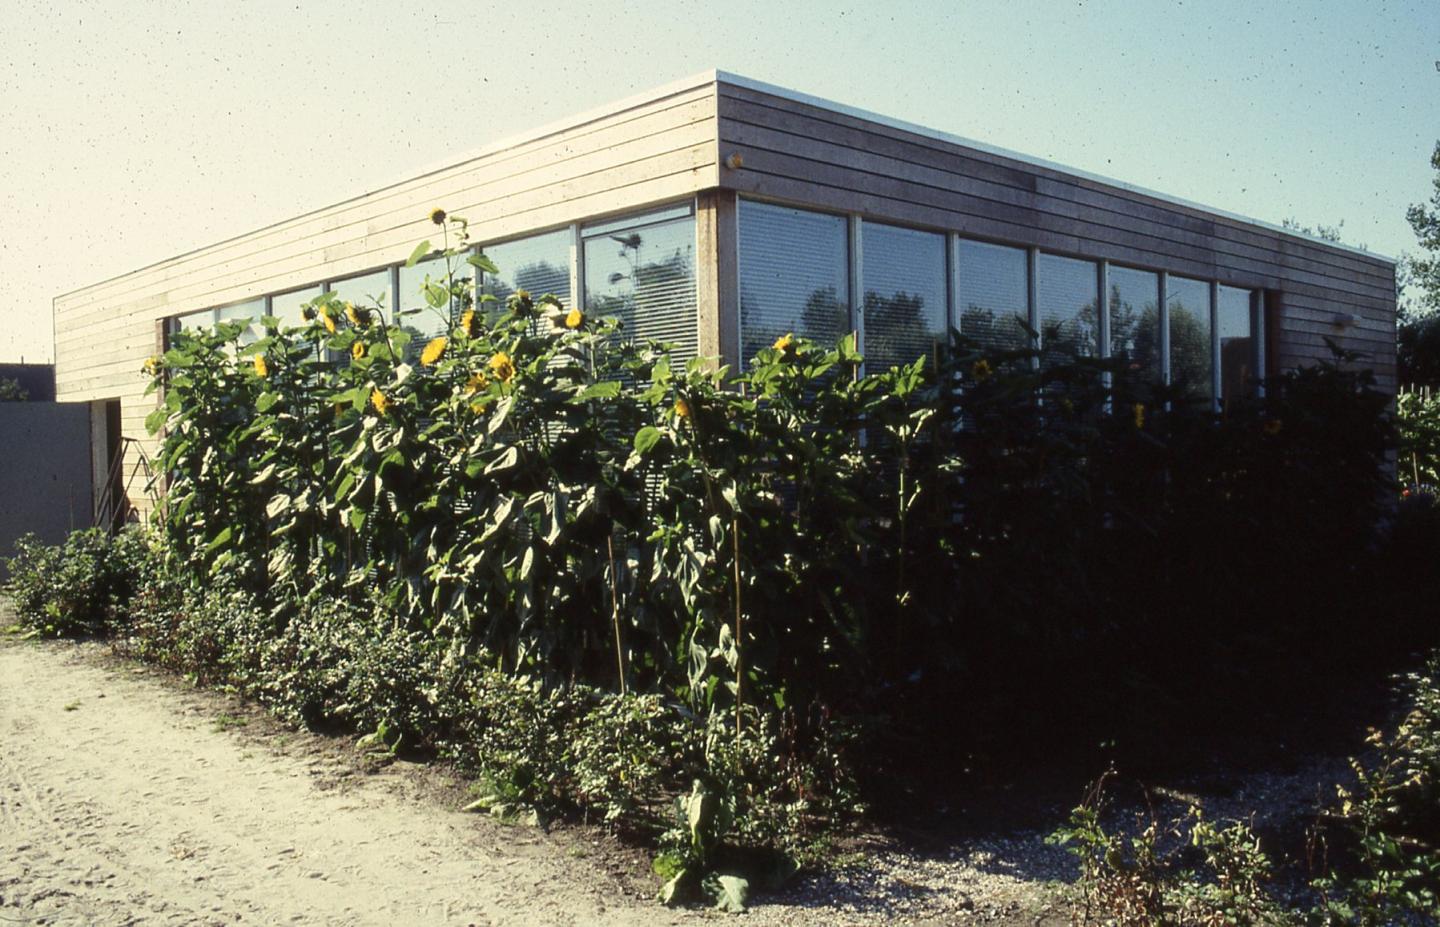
(127, 797)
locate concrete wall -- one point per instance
(45, 470)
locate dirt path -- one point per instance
(125, 800)
(128, 797)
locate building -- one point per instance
(718, 213)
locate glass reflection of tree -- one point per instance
(1074, 335)
(998, 331)
(1135, 333)
(895, 330)
(645, 298)
(1189, 349)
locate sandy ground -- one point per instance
(128, 797)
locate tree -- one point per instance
(1423, 270)
(1419, 337)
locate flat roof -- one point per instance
(716, 76)
(738, 80)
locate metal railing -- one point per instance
(113, 508)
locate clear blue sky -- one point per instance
(133, 130)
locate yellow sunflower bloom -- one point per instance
(1139, 414)
(353, 315)
(476, 383)
(981, 370)
(574, 318)
(467, 323)
(380, 401)
(328, 320)
(785, 343)
(682, 408)
(479, 406)
(434, 351)
(262, 369)
(502, 366)
(437, 215)
(357, 350)
(152, 365)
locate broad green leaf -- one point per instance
(420, 251)
(646, 439)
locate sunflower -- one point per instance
(437, 215)
(521, 303)
(354, 315)
(152, 365)
(467, 323)
(380, 401)
(1139, 414)
(357, 350)
(682, 408)
(574, 318)
(476, 383)
(328, 320)
(434, 351)
(479, 406)
(262, 369)
(981, 370)
(502, 366)
(785, 344)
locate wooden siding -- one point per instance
(644, 153)
(805, 153)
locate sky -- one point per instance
(135, 130)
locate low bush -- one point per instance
(1374, 861)
(79, 587)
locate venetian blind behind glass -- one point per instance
(1188, 302)
(793, 276)
(992, 299)
(644, 274)
(1066, 293)
(1135, 321)
(1235, 319)
(539, 265)
(904, 273)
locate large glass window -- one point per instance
(794, 276)
(368, 290)
(205, 318)
(1188, 302)
(286, 306)
(254, 310)
(429, 322)
(539, 265)
(1135, 321)
(1235, 321)
(993, 300)
(1067, 294)
(642, 271)
(904, 274)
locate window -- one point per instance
(429, 321)
(205, 318)
(642, 271)
(1066, 290)
(1188, 302)
(286, 306)
(794, 276)
(1235, 327)
(253, 310)
(1135, 321)
(904, 274)
(539, 264)
(993, 300)
(367, 290)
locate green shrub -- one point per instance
(78, 588)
